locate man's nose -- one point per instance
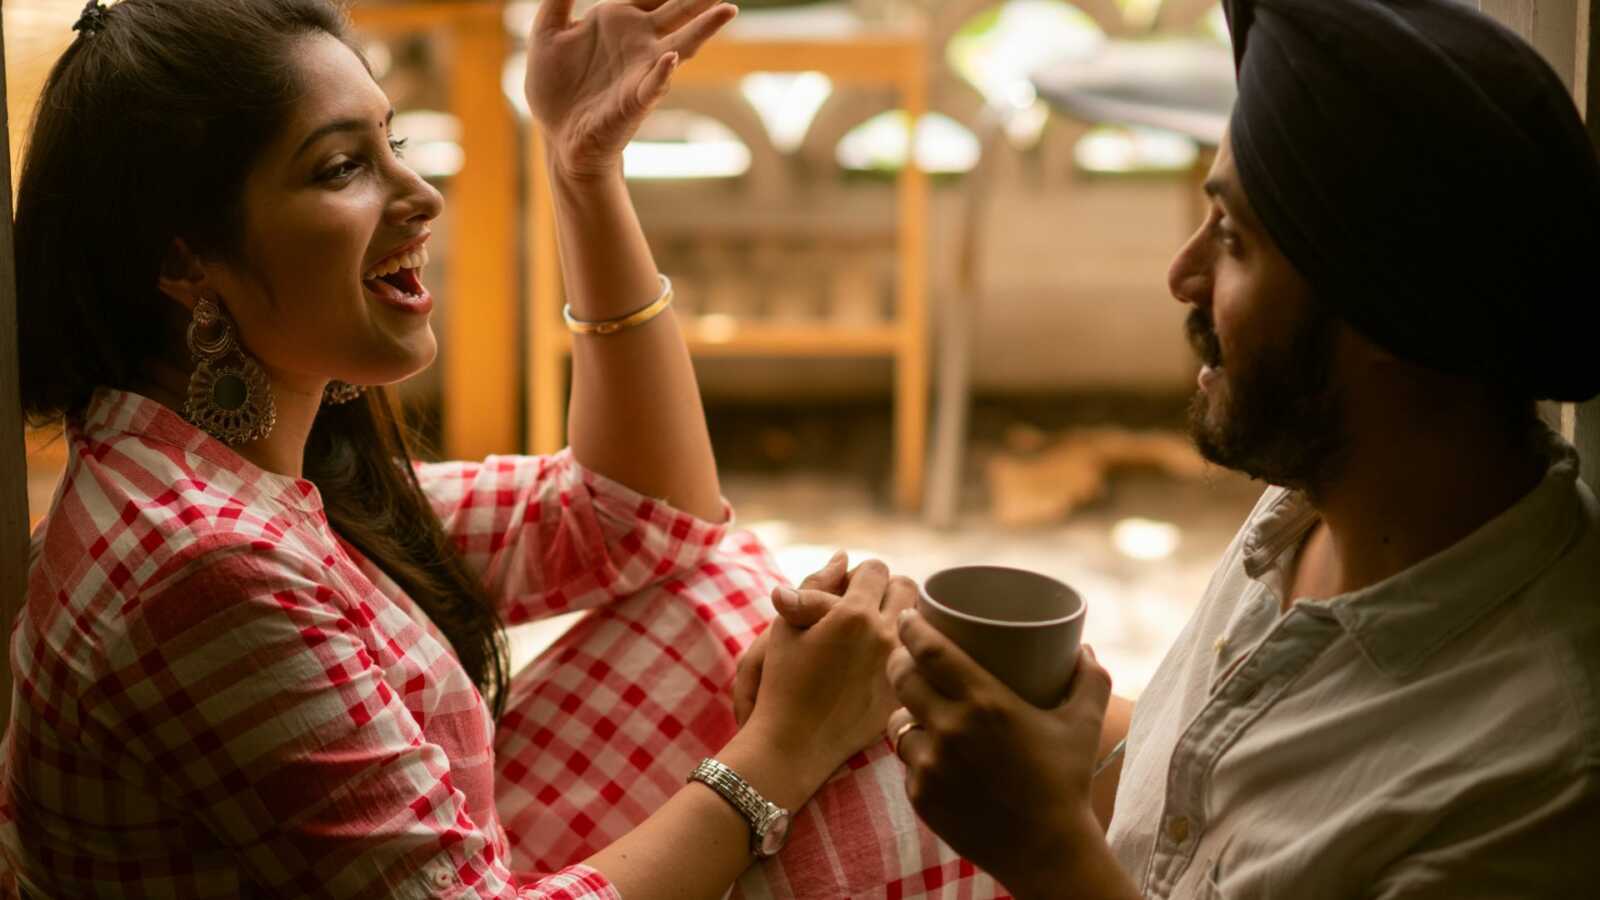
(1189, 276)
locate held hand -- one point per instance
(1003, 782)
(819, 592)
(590, 83)
(824, 693)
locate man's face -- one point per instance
(1268, 404)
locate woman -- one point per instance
(260, 648)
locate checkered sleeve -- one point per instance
(243, 690)
(551, 536)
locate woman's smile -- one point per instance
(397, 280)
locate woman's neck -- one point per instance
(283, 451)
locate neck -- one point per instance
(1414, 486)
(283, 451)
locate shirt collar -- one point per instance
(1403, 620)
(112, 413)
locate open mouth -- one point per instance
(399, 277)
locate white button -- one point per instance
(1178, 829)
(443, 874)
(1221, 646)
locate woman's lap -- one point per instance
(605, 725)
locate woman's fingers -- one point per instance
(553, 15)
(901, 596)
(802, 609)
(674, 14)
(690, 37)
(747, 679)
(867, 584)
(653, 86)
(832, 577)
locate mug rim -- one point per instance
(922, 590)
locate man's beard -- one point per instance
(1279, 417)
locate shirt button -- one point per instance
(1221, 646)
(1178, 829)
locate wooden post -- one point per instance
(547, 370)
(13, 463)
(911, 375)
(482, 371)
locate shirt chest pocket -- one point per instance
(1212, 873)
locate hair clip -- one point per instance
(93, 18)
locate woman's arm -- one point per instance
(635, 412)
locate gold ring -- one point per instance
(900, 733)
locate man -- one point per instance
(1392, 686)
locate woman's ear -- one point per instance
(183, 278)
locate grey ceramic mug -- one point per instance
(1023, 627)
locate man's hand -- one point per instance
(818, 593)
(1003, 782)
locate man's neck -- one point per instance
(1406, 494)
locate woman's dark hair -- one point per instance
(144, 133)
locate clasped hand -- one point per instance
(1005, 783)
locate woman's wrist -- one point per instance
(565, 174)
(781, 771)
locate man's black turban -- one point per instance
(1428, 173)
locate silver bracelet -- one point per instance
(1111, 757)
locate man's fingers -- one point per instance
(831, 577)
(1091, 687)
(554, 15)
(915, 694)
(674, 14)
(688, 39)
(867, 584)
(803, 608)
(949, 669)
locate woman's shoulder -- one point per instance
(136, 519)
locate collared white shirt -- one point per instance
(1433, 735)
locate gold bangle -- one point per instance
(631, 320)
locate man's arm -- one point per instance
(1103, 790)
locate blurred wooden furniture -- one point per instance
(879, 58)
(480, 353)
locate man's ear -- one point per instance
(183, 278)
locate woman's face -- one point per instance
(329, 204)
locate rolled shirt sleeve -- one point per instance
(550, 536)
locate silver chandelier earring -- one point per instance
(339, 392)
(229, 396)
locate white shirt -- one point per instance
(1434, 735)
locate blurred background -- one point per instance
(920, 249)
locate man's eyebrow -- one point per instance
(334, 127)
(1231, 200)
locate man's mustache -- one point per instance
(1203, 337)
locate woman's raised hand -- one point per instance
(591, 82)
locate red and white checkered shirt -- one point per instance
(215, 697)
